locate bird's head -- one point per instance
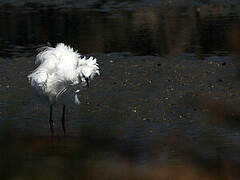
(88, 68)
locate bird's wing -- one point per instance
(58, 84)
(38, 80)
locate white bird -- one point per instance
(59, 76)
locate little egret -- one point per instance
(60, 75)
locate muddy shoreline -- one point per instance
(181, 88)
(149, 88)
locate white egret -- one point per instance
(60, 74)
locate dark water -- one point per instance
(130, 120)
(164, 30)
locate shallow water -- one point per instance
(167, 97)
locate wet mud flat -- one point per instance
(182, 88)
(148, 116)
(174, 113)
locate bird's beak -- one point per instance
(87, 81)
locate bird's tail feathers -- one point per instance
(45, 53)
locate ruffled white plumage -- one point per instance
(61, 72)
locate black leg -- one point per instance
(51, 121)
(63, 120)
